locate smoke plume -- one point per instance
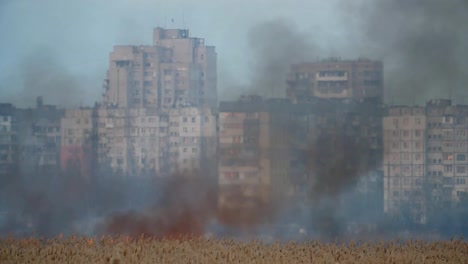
(188, 202)
(273, 45)
(41, 73)
(422, 43)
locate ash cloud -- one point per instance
(423, 45)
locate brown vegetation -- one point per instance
(128, 250)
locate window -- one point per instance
(461, 169)
(194, 150)
(193, 119)
(185, 149)
(418, 182)
(417, 156)
(184, 120)
(395, 122)
(406, 133)
(396, 193)
(448, 168)
(395, 133)
(395, 182)
(418, 120)
(417, 133)
(460, 181)
(461, 157)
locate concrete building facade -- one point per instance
(404, 162)
(446, 152)
(267, 151)
(8, 139)
(336, 79)
(177, 71)
(244, 162)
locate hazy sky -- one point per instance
(79, 35)
(69, 41)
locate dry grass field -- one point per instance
(127, 250)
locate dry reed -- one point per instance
(146, 250)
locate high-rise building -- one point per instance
(446, 153)
(77, 152)
(336, 79)
(8, 139)
(177, 71)
(404, 162)
(272, 152)
(39, 135)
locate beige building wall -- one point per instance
(8, 145)
(129, 140)
(447, 152)
(177, 71)
(244, 165)
(404, 131)
(77, 125)
(335, 78)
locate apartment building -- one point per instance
(39, 134)
(404, 162)
(192, 139)
(336, 79)
(130, 140)
(244, 162)
(176, 71)
(446, 152)
(77, 152)
(8, 139)
(284, 145)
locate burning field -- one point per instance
(186, 250)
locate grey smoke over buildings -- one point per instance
(61, 51)
(42, 73)
(422, 43)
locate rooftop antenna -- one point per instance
(451, 93)
(183, 19)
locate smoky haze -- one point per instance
(42, 73)
(423, 45)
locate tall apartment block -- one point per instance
(39, 134)
(139, 141)
(244, 163)
(176, 71)
(8, 139)
(404, 162)
(265, 147)
(425, 161)
(336, 79)
(446, 152)
(77, 153)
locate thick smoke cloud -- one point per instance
(423, 45)
(274, 46)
